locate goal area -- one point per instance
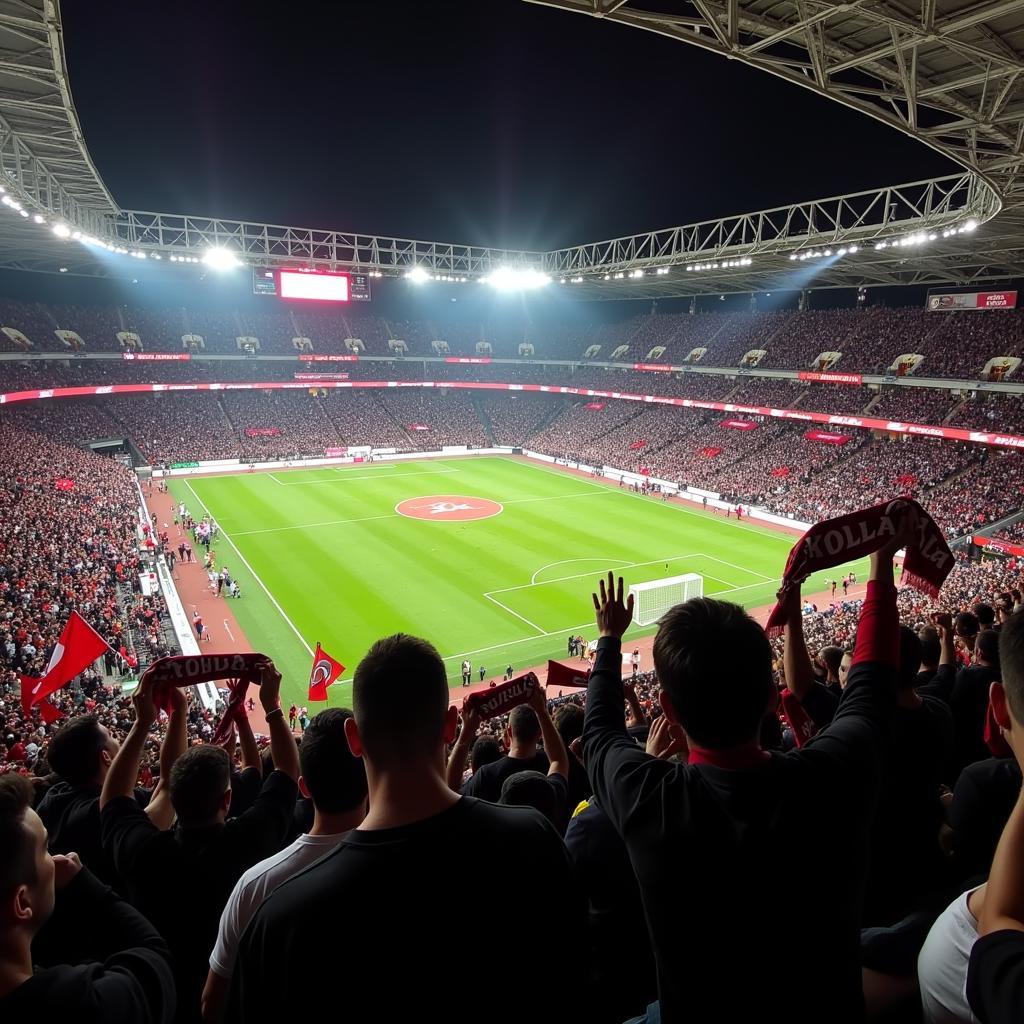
(651, 600)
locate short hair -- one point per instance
(524, 724)
(485, 750)
(831, 657)
(1011, 660)
(18, 860)
(529, 789)
(75, 749)
(400, 699)
(985, 614)
(931, 645)
(910, 658)
(987, 646)
(199, 779)
(715, 663)
(335, 778)
(568, 720)
(966, 624)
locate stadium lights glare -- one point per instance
(62, 230)
(63, 270)
(510, 279)
(662, 270)
(218, 258)
(417, 275)
(39, 219)
(724, 264)
(24, 213)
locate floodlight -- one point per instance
(220, 259)
(62, 230)
(418, 275)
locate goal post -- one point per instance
(651, 600)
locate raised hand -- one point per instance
(65, 867)
(665, 739)
(270, 686)
(142, 701)
(613, 615)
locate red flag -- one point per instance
(49, 713)
(325, 671)
(637, 446)
(562, 675)
(64, 483)
(79, 646)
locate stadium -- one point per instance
(245, 464)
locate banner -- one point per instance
(419, 426)
(335, 453)
(781, 471)
(739, 424)
(594, 406)
(467, 359)
(710, 452)
(64, 483)
(565, 675)
(1001, 547)
(320, 376)
(309, 357)
(831, 378)
(637, 446)
(919, 429)
(653, 367)
(503, 697)
(156, 357)
(946, 302)
(262, 432)
(822, 435)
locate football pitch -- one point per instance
(490, 558)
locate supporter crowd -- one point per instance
(956, 345)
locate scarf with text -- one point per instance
(189, 670)
(503, 698)
(927, 563)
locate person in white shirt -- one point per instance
(942, 962)
(335, 781)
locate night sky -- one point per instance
(486, 121)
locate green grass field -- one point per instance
(322, 555)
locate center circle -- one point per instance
(448, 508)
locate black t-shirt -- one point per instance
(906, 863)
(995, 977)
(969, 702)
(707, 844)
(71, 815)
(486, 783)
(182, 878)
(96, 959)
(245, 787)
(983, 798)
(618, 931)
(393, 907)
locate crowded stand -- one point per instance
(112, 776)
(869, 340)
(915, 405)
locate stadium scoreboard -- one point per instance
(311, 285)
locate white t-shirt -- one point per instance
(255, 886)
(942, 965)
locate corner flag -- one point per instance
(325, 672)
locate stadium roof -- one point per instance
(946, 73)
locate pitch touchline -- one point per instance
(273, 600)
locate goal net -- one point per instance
(652, 600)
